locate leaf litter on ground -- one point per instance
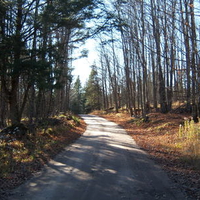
(21, 158)
(158, 137)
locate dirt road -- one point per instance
(104, 164)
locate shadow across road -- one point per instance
(104, 164)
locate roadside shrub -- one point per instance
(76, 120)
(189, 138)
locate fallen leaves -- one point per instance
(28, 156)
(158, 138)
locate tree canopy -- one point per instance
(148, 56)
(36, 41)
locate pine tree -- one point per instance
(93, 92)
(77, 98)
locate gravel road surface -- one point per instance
(104, 164)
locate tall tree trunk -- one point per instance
(15, 115)
(185, 29)
(156, 31)
(195, 113)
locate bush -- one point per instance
(189, 138)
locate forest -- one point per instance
(148, 57)
(158, 43)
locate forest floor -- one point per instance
(159, 138)
(20, 159)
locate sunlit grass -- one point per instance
(189, 139)
(184, 139)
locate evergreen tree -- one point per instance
(36, 43)
(93, 92)
(77, 98)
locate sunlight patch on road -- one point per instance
(110, 171)
(127, 148)
(76, 173)
(59, 164)
(121, 146)
(33, 184)
(81, 175)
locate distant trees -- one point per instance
(93, 93)
(77, 98)
(157, 58)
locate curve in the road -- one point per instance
(104, 164)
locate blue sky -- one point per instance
(82, 66)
